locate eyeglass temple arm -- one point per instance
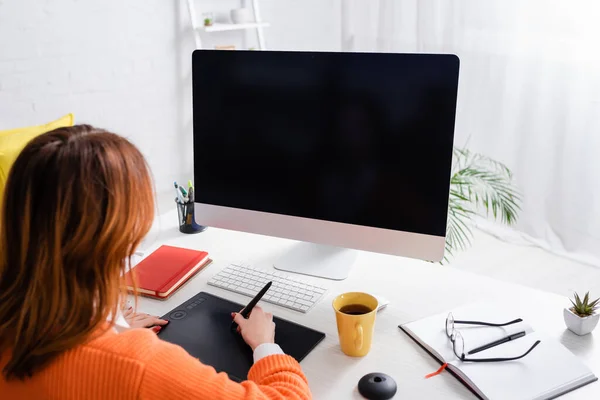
(503, 359)
(488, 323)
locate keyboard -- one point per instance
(286, 291)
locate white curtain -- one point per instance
(529, 96)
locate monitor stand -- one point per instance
(318, 260)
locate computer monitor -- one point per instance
(336, 150)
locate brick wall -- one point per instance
(120, 65)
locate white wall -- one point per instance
(112, 63)
(125, 65)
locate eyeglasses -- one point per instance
(458, 342)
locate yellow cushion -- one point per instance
(13, 141)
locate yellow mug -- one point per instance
(355, 315)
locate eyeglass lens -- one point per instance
(459, 345)
(450, 325)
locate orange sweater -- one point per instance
(136, 364)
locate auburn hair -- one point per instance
(77, 203)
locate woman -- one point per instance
(77, 203)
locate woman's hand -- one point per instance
(259, 328)
(141, 320)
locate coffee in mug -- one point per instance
(355, 309)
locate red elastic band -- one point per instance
(439, 371)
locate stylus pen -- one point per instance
(248, 309)
(498, 342)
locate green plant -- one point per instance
(478, 186)
(584, 308)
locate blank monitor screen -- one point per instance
(355, 138)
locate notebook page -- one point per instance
(546, 372)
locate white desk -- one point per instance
(415, 289)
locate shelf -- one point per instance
(234, 27)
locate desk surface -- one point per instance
(415, 289)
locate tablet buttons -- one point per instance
(179, 314)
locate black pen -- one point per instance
(248, 309)
(498, 342)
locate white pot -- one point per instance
(241, 15)
(580, 326)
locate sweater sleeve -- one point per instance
(171, 373)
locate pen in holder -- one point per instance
(187, 222)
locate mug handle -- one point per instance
(358, 341)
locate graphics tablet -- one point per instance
(201, 325)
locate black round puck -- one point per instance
(377, 386)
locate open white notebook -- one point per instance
(550, 370)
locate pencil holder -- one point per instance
(187, 220)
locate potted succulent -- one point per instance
(208, 19)
(582, 318)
